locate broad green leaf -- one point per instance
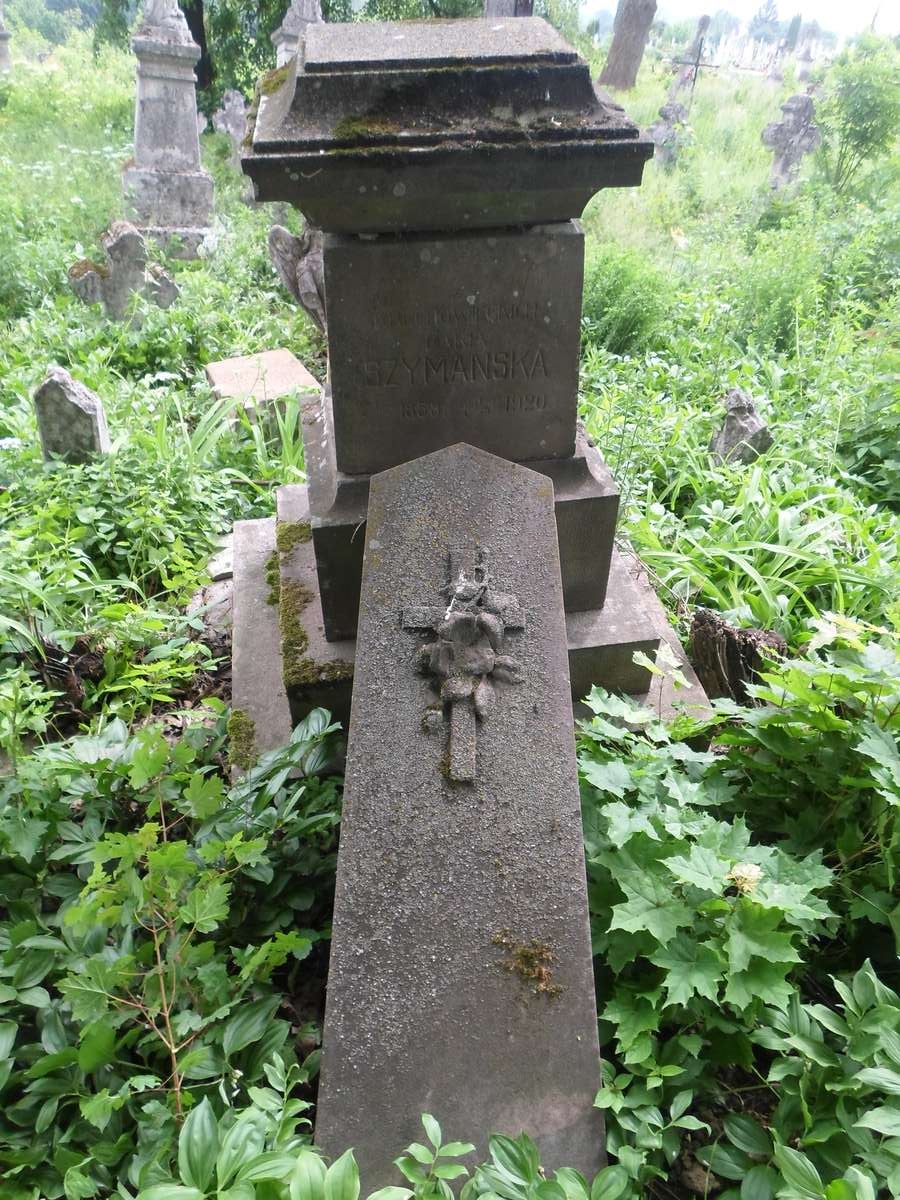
(8, 1030)
(432, 1129)
(753, 932)
(248, 1025)
(649, 905)
(799, 1172)
(274, 1164)
(243, 1140)
(391, 1193)
(198, 1146)
(342, 1178)
(609, 1184)
(724, 1160)
(448, 1171)
(759, 1184)
(98, 1046)
(452, 1149)
(692, 968)
(840, 1189)
(745, 1133)
(702, 868)
(170, 1191)
(420, 1153)
(308, 1178)
(882, 1078)
(572, 1182)
(884, 1120)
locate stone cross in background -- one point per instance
(167, 194)
(70, 417)
(666, 132)
(287, 37)
(126, 271)
(791, 138)
(231, 119)
(461, 980)
(5, 35)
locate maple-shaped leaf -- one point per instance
(613, 777)
(649, 904)
(691, 968)
(625, 821)
(753, 933)
(763, 981)
(702, 868)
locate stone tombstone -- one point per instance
(167, 193)
(792, 138)
(290, 33)
(125, 272)
(460, 980)
(5, 36)
(71, 420)
(231, 119)
(446, 164)
(668, 132)
(744, 434)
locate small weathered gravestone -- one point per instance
(744, 434)
(460, 980)
(791, 138)
(5, 36)
(231, 119)
(167, 194)
(125, 272)
(287, 37)
(71, 420)
(260, 381)
(667, 132)
(298, 263)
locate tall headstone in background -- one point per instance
(460, 980)
(167, 193)
(71, 420)
(231, 119)
(287, 37)
(5, 35)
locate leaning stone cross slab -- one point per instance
(467, 658)
(461, 979)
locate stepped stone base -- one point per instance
(175, 208)
(587, 507)
(277, 603)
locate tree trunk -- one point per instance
(630, 32)
(193, 14)
(726, 658)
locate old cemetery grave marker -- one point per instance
(231, 119)
(125, 272)
(167, 193)
(290, 33)
(460, 980)
(791, 138)
(445, 163)
(71, 419)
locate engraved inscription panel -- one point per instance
(472, 338)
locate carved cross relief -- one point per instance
(466, 660)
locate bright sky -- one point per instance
(839, 15)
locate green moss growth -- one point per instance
(531, 961)
(84, 266)
(273, 579)
(292, 601)
(271, 81)
(289, 534)
(371, 125)
(241, 740)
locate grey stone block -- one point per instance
(316, 671)
(466, 337)
(587, 503)
(464, 124)
(461, 850)
(257, 689)
(71, 418)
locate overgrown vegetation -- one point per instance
(163, 930)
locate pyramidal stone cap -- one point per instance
(391, 126)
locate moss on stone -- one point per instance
(290, 534)
(532, 961)
(271, 81)
(273, 579)
(241, 740)
(85, 266)
(370, 125)
(293, 600)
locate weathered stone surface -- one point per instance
(460, 979)
(257, 689)
(508, 8)
(667, 132)
(744, 435)
(166, 193)
(290, 33)
(259, 381)
(71, 419)
(125, 272)
(586, 503)
(298, 263)
(792, 138)
(439, 125)
(231, 119)
(316, 672)
(602, 642)
(463, 336)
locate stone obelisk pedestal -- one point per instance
(167, 193)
